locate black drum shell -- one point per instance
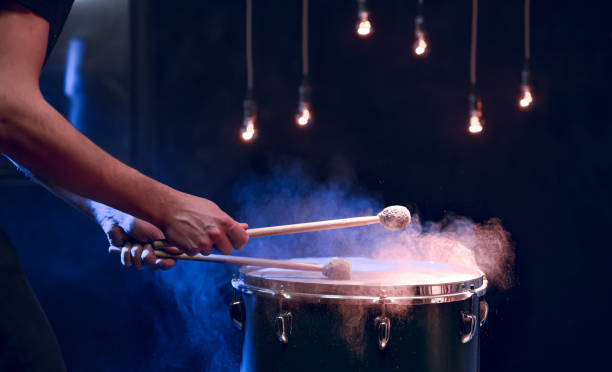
(342, 336)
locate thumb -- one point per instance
(172, 250)
(116, 236)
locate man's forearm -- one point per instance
(39, 138)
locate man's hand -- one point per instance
(39, 138)
(197, 225)
(134, 247)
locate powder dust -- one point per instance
(456, 240)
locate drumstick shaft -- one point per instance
(236, 260)
(299, 228)
(312, 226)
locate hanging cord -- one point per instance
(305, 38)
(420, 9)
(473, 48)
(249, 46)
(527, 46)
(361, 6)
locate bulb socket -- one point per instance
(475, 103)
(361, 7)
(250, 109)
(525, 77)
(304, 91)
(419, 21)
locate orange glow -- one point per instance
(526, 97)
(475, 122)
(303, 116)
(420, 46)
(248, 132)
(364, 27)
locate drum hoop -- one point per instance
(407, 294)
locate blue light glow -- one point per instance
(74, 56)
(72, 82)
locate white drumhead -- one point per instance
(379, 272)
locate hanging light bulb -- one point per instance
(364, 26)
(525, 101)
(303, 116)
(476, 123)
(247, 133)
(420, 44)
(526, 97)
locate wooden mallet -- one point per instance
(395, 217)
(336, 269)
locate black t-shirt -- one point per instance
(54, 11)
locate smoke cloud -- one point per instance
(196, 321)
(456, 240)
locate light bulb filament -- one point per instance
(248, 131)
(364, 26)
(303, 116)
(476, 122)
(420, 45)
(526, 97)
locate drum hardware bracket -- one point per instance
(483, 310)
(469, 319)
(236, 310)
(382, 324)
(283, 321)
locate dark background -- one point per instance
(163, 84)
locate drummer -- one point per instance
(136, 208)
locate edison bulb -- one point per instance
(420, 46)
(526, 98)
(248, 130)
(303, 116)
(364, 26)
(476, 122)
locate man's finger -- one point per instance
(126, 257)
(164, 263)
(172, 250)
(135, 252)
(205, 247)
(117, 236)
(238, 236)
(223, 244)
(148, 256)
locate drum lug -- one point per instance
(382, 323)
(284, 324)
(483, 311)
(383, 330)
(236, 311)
(469, 320)
(284, 320)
